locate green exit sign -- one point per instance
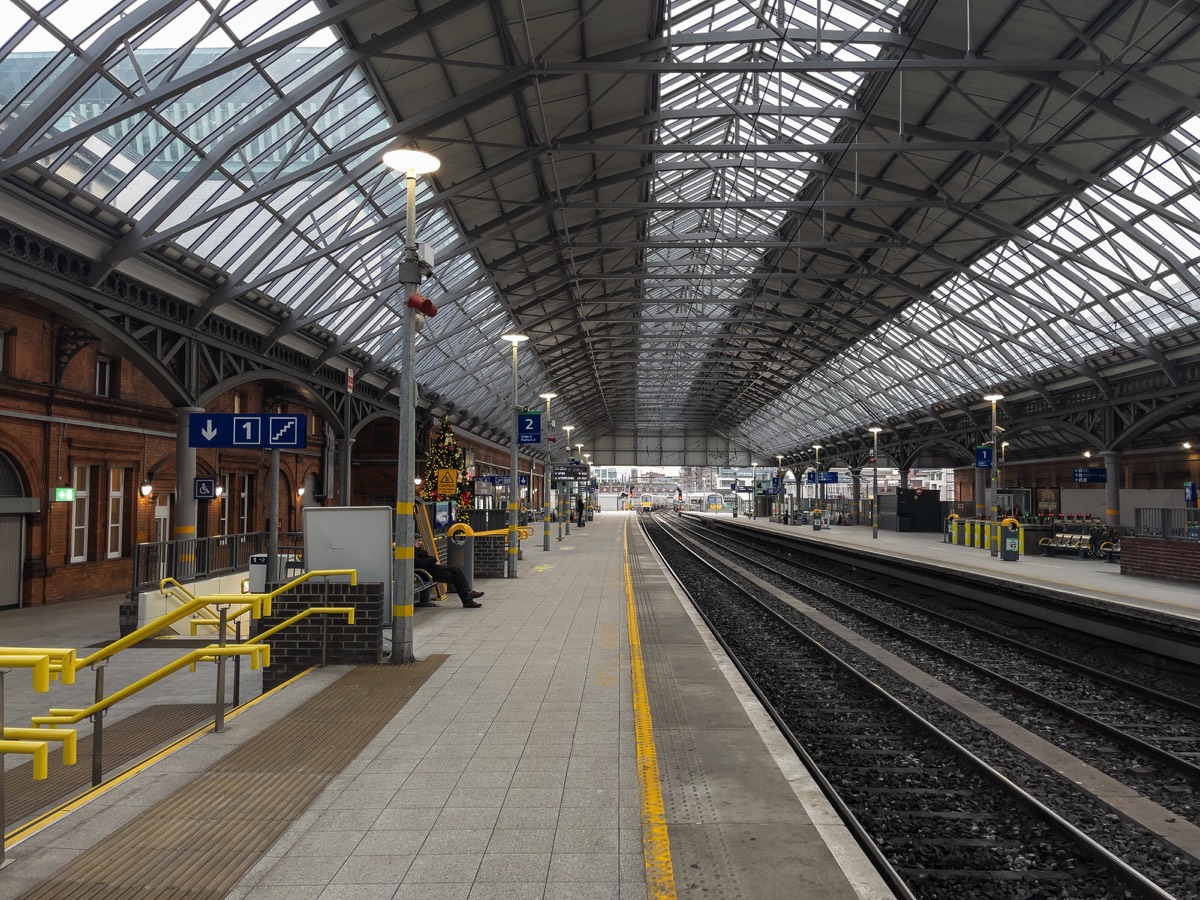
(66, 494)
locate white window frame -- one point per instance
(226, 502)
(245, 495)
(105, 368)
(115, 520)
(81, 480)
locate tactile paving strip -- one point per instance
(124, 741)
(201, 840)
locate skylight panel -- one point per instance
(77, 19)
(1183, 242)
(750, 182)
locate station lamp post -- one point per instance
(579, 449)
(1003, 463)
(817, 492)
(412, 163)
(513, 476)
(565, 508)
(779, 487)
(548, 396)
(994, 399)
(875, 429)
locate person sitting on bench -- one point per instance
(449, 574)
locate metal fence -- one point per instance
(1173, 524)
(190, 560)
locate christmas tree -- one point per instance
(444, 454)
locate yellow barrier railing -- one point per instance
(260, 654)
(44, 663)
(60, 663)
(33, 742)
(347, 611)
(524, 532)
(39, 750)
(37, 663)
(68, 736)
(259, 604)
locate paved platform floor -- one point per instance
(584, 738)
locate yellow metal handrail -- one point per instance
(39, 663)
(43, 662)
(259, 601)
(39, 750)
(347, 611)
(61, 662)
(68, 736)
(260, 605)
(33, 741)
(260, 654)
(147, 630)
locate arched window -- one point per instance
(10, 479)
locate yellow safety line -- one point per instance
(656, 846)
(32, 827)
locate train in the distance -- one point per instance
(703, 501)
(649, 502)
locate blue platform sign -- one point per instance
(810, 477)
(204, 488)
(249, 430)
(1091, 475)
(827, 478)
(501, 480)
(983, 457)
(529, 428)
(1189, 494)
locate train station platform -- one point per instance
(1066, 581)
(579, 736)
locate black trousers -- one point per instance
(450, 575)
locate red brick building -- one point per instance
(75, 414)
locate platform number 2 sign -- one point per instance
(529, 428)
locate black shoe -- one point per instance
(474, 595)
(471, 604)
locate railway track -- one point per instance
(930, 751)
(1147, 738)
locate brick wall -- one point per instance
(298, 647)
(1177, 560)
(491, 556)
(48, 393)
(54, 421)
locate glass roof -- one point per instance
(249, 135)
(258, 152)
(1112, 268)
(713, 127)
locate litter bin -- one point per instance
(258, 573)
(460, 551)
(1010, 543)
(816, 520)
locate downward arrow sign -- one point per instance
(208, 431)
